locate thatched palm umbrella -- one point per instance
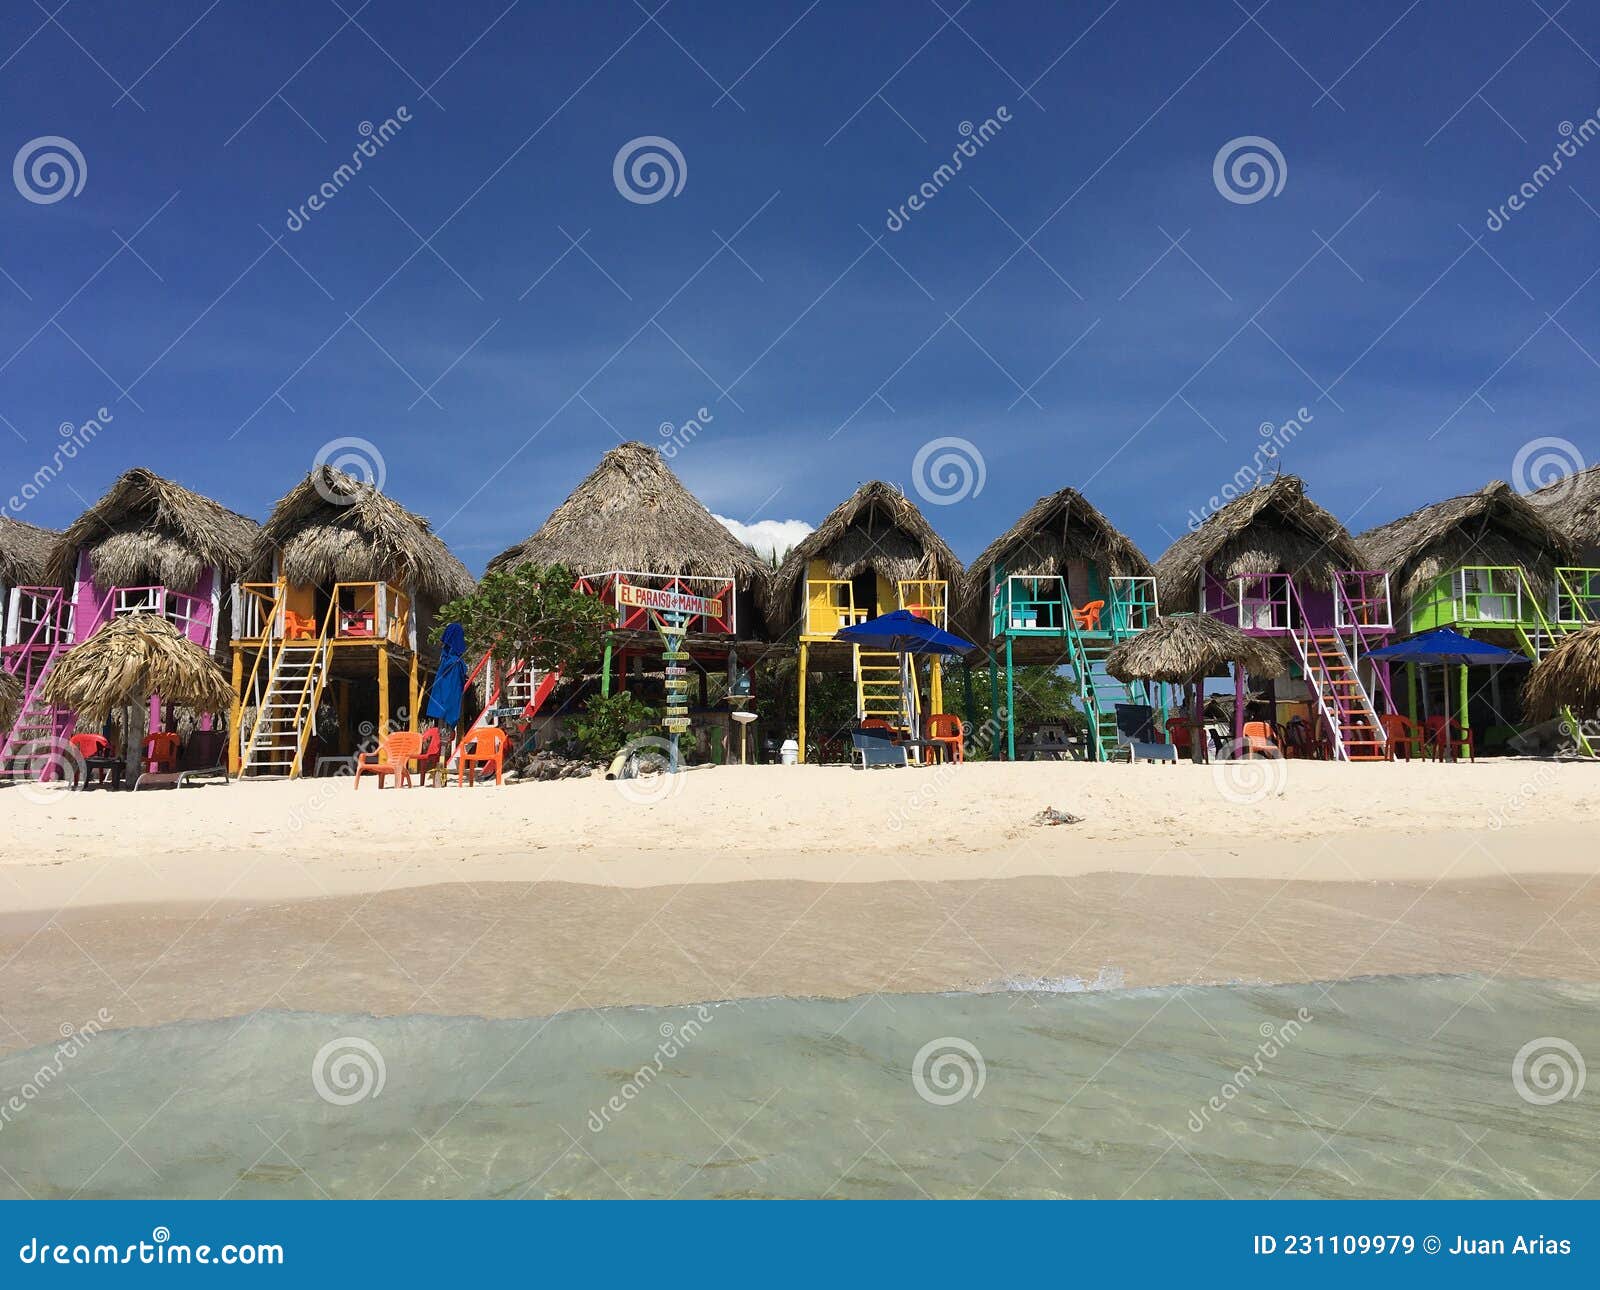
(1567, 677)
(123, 664)
(1184, 649)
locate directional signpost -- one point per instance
(676, 657)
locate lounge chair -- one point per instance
(875, 748)
(1136, 731)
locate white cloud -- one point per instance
(767, 536)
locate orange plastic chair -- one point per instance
(1259, 741)
(1088, 618)
(946, 733)
(485, 746)
(1445, 735)
(1402, 736)
(399, 750)
(879, 723)
(161, 751)
(297, 627)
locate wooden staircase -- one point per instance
(287, 712)
(880, 686)
(1346, 707)
(36, 736)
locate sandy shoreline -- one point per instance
(537, 898)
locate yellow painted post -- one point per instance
(236, 711)
(415, 692)
(802, 723)
(383, 693)
(343, 693)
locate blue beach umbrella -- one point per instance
(444, 699)
(1446, 647)
(903, 632)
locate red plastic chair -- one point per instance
(91, 745)
(1259, 740)
(161, 751)
(1088, 618)
(1445, 735)
(399, 750)
(431, 753)
(484, 747)
(946, 733)
(1403, 736)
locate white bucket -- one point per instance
(789, 753)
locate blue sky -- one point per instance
(1036, 306)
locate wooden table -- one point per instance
(114, 766)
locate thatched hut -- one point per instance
(1273, 529)
(124, 664)
(875, 552)
(1067, 549)
(24, 562)
(1441, 557)
(353, 585)
(150, 545)
(1572, 504)
(1566, 679)
(632, 515)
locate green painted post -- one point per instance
(605, 671)
(1011, 703)
(994, 689)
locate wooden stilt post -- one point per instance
(801, 706)
(994, 701)
(1011, 704)
(383, 692)
(343, 699)
(1197, 741)
(236, 713)
(966, 694)
(605, 670)
(415, 693)
(1411, 690)
(1238, 703)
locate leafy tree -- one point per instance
(530, 613)
(608, 721)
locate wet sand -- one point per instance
(505, 949)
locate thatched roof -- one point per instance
(1050, 534)
(1572, 504)
(875, 528)
(332, 527)
(1181, 647)
(129, 659)
(24, 552)
(1493, 526)
(632, 512)
(1568, 676)
(10, 698)
(1272, 528)
(148, 531)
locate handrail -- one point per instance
(266, 653)
(838, 611)
(52, 622)
(1303, 645)
(1123, 600)
(1579, 600)
(1358, 632)
(310, 693)
(938, 603)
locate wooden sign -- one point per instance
(667, 602)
